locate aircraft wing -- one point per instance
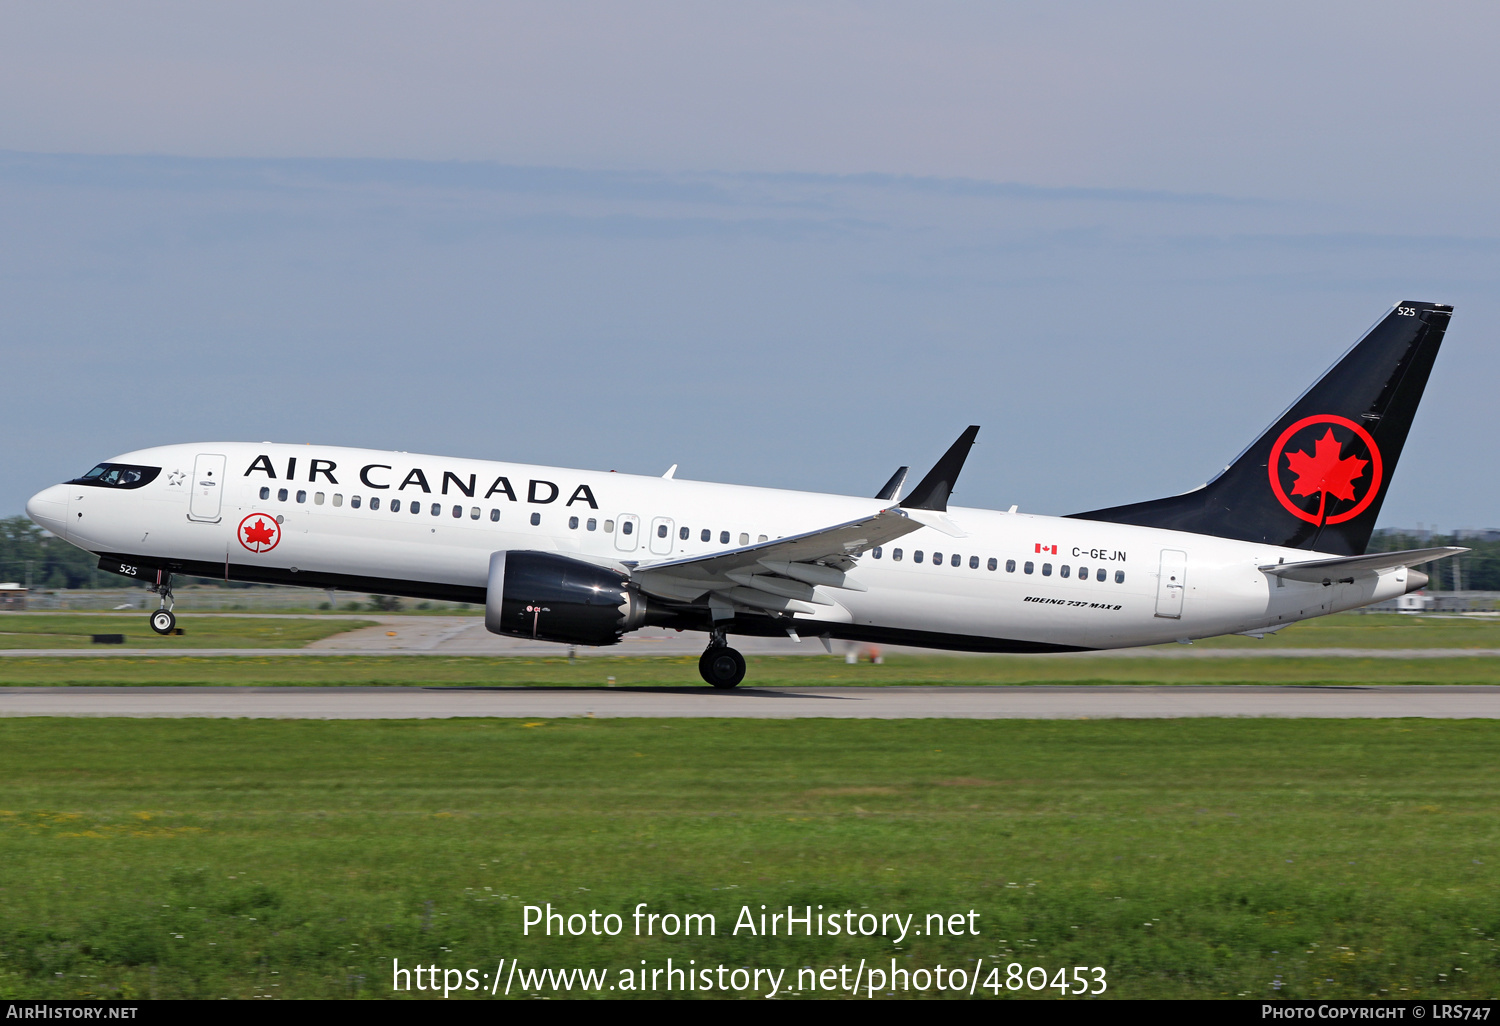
(783, 576)
(776, 576)
(1326, 571)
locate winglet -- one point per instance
(933, 490)
(893, 487)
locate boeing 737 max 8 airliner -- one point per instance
(583, 557)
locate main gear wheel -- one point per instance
(721, 666)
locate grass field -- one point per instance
(1258, 858)
(1189, 858)
(765, 671)
(1375, 630)
(74, 630)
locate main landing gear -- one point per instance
(163, 621)
(720, 665)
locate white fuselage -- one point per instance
(453, 513)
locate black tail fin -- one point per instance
(1316, 479)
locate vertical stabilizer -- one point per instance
(1318, 476)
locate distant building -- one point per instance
(12, 597)
(1483, 534)
(1415, 602)
(1438, 602)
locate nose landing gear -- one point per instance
(163, 621)
(720, 665)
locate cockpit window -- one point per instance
(118, 475)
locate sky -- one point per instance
(781, 244)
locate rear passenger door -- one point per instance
(1172, 584)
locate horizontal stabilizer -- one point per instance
(1326, 571)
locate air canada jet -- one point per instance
(583, 557)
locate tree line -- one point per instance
(30, 555)
(27, 553)
(1473, 571)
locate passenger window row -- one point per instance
(705, 535)
(684, 533)
(475, 513)
(394, 505)
(591, 524)
(1065, 570)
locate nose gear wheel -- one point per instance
(164, 621)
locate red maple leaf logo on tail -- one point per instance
(1324, 473)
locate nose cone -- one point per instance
(49, 508)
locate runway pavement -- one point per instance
(1101, 702)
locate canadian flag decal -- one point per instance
(1046, 548)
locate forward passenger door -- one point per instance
(207, 493)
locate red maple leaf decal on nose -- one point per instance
(1323, 471)
(259, 533)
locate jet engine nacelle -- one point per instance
(551, 597)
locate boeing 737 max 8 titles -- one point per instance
(583, 557)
